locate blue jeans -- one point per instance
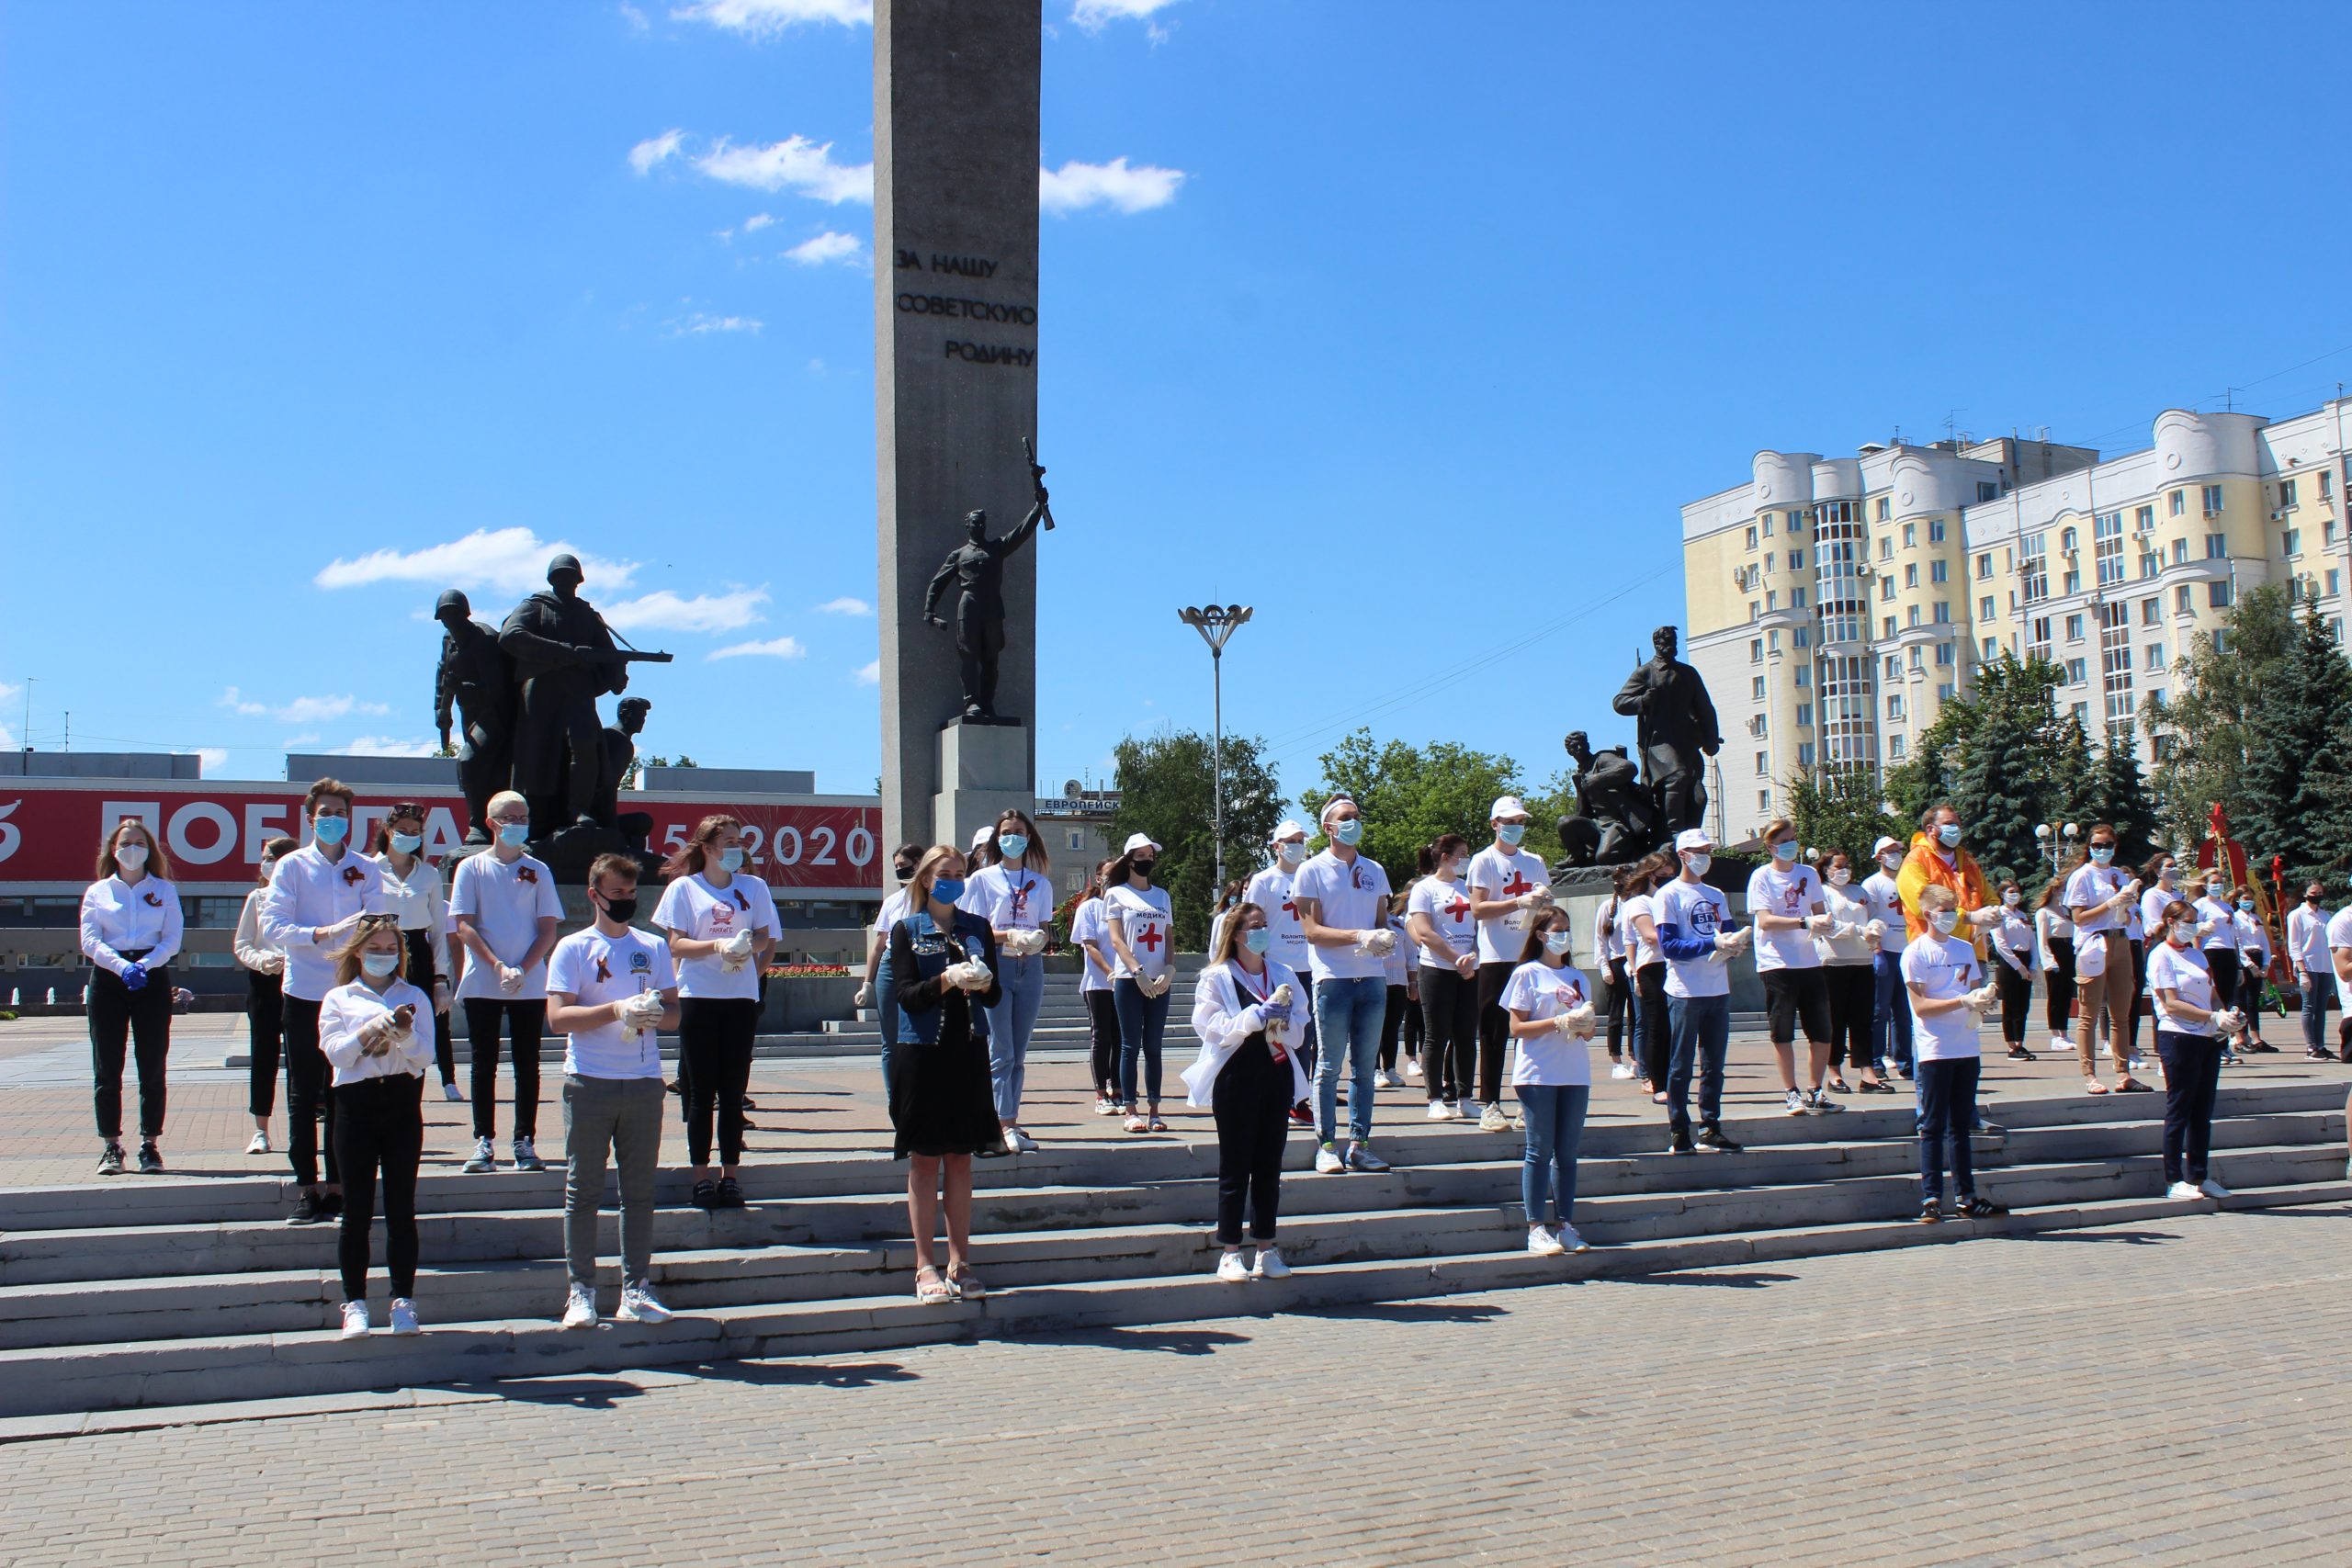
(1142, 1021)
(1555, 1116)
(1890, 1010)
(886, 1002)
(1347, 1028)
(1947, 1110)
(1701, 1030)
(1011, 1023)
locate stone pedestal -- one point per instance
(982, 769)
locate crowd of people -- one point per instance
(1316, 969)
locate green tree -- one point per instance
(2200, 732)
(2120, 797)
(2295, 794)
(1927, 776)
(2001, 786)
(1840, 807)
(1409, 795)
(1166, 790)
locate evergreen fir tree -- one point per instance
(2001, 762)
(2122, 798)
(2295, 792)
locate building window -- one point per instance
(1754, 610)
(2180, 552)
(2221, 640)
(1943, 612)
(1987, 490)
(1935, 530)
(2035, 572)
(2150, 563)
(2294, 588)
(2144, 519)
(1985, 564)
(1804, 753)
(2326, 484)
(1944, 690)
(2217, 594)
(1943, 654)
(1796, 561)
(1804, 677)
(2286, 492)
(1910, 535)
(2217, 546)
(2038, 647)
(1912, 618)
(1939, 571)
(2152, 611)
(2155, 658)
(1772, 600)
(1803, 638)
(1893, 667)
(1077, 839)
(1882, 508)
(1886, 589)
(1763, 803)
(1796, 525)
(1767, 525)
(1887, 627)
(2107, 547)
(2182, 604)
(1763, 764)
(2179, 500)
(1751, 536)
(2074, 628)
(1756, 647)
(1911, 575)
(1756, 686)
(1990, 649)
(1895, 746)
(2077, 673)
(2074, 583)
(1885, 548)
(1772, 642)
(2213, 500)
(1916, 657)
(1796, 598)
(1768, 560)
(2082, 712)
(1805, 716)
(2068, 540)
(1985, 608)
(2333, 578)
(1895, 707)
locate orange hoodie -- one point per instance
(1925, 866)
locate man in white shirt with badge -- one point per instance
(609, 990)
(1694, 931)
(1274, 890)
(503, 910)
(1785, 901)
(2315, 970)
(1888, 933)
(316, 895)
(1505, 882)
(1343, 907)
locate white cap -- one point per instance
(1693, 839)
(1334, 804)
(1509, 806)
(1288, 828)
(1138, 841)
(1883, 844)
(981, 836)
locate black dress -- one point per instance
(942, 1099)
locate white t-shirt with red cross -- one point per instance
(1496, 875)
(1145, 918)
(1447, 904)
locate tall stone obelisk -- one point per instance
(956, 151)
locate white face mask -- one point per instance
(1556, 942)
(1944, 920)
(1699, 863)
(1452, 870)
(1292, 855)
(1890, 863)
(131, 857)
(1839, 877)
(2012, 897)
(2184, 933)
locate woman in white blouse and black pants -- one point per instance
(375, 1032)
(130, 931)
(1248, 1009)
(412, 890)
(265, 967)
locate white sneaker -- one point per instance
(638, 1305)
(1231, 1269)
(1542, 1243)
(1270, 1265)
(405, 1317)
(1108, 1107)
(1572, 1241)
(580, 1308)
(527, 1157)
(1460, 1110)
(1441, 1112)
(485, 1157)
(1492, 1120)
(2060, 1043)
(2183, 1190)
(2212, 1188)
(1413, 1070)
(1622, 1071)
(355, 1320)
(451, 1092)
(260, 1145)
(1328, 1161)
(1797, 1104)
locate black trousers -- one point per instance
(266, 1028)
(1251, 1102)
(1619, 987)
(1102, 1041)
(1658, 1038)
(2016, 1001)
(1853, 991)
(1494, 1030)
(2139, 990)
(1391, 1025)
(2192, 1079)
(2060, 981)
(715, 1039)
(379, 1131)
(2222, 962)
(1449, 1055)
(422, 973)
(137, 1022)
(526, 1023)
(307, 1100)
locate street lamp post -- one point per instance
(2051, 846)
(1216, 624)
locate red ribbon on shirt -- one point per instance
(526, 875)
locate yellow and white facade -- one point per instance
(1834, 604)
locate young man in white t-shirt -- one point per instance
(1787, 905)
(1342, 898)
(1506, 882)
(609, 990)
(1694, 931)
(1274, 890)
(1890, 1005)
(503, 910)
(1948, 996)
(2315, 970)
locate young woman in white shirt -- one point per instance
(1847, 964)
(1647, 960)
(1550, 1007)
(1942, 977)
(1445, 937)
(414, 891)
(1402, 972)
(1090, 934)
(722, 925)
(130, 933)
(1616, 981)
(376, 1029)
(2216, 935)
(2013, 955)
(2190, 1023)
(2054, 936)
(265, 965)
(1141, 923)
(2253, 965)
(2100, 900)
(1244, 1009)
(1014, 893)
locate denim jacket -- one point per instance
(919, 951)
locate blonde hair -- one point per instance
(346, 957)
(927, 870)
(1935, 895)
(1229, 941)
(501, 800)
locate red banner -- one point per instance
(50, 829)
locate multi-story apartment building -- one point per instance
(1836, 604)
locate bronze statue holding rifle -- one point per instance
(977, 568)
(565, 658)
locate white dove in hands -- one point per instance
(1284, 995)
(1875, 930)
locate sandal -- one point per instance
(1838, 1085)
(965, 1286)
(2092, 1085)
(2019, 1054)
(1138, 1124)
(2133, 1085)
(1158, 1125)
(934, 1293)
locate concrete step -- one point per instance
(308, 1362)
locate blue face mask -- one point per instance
(329, 829)
(1349, 832)
(2246, 906)
(408, 843)
(2103, 854)
(1011, 846)
(1949, 835)
(380, 965)
(515, 833)
(1511, 833)
(1258, 939)
(731, 859)
(1785, 851)
(947, 889)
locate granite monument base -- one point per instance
(983, 769)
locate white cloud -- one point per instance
(210, 759)
(1096, 15)
(634, 17)
(795, 163)
(845, 606)
(698, 324)
(774, 648)
(655, 151)
(829, 246)
(387, 746)
(663, 611)
(870, 674)
(296, 742)
(512, 559)
(757, 221)
(1076, 186)
(9, 689)
(766, 18)
(301, 710)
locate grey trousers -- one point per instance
(615, 1116)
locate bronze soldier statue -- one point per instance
(977, 565)
(475, 678)
(619, 752)
(565, 658)
(1677, 730)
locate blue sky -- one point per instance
(1411, 325)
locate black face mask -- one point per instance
(622, 911)
(905, 873)
(1143, 868)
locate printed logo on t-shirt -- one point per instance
(640, 961)
(1566, 995)
(1702, 917)
(722, 916)
(1518, 883)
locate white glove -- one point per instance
(971, 975)
(1731, 944)
(2204, 929)
(643, 1011)
(1023, 943)
(440, 996)
(1843, 928)
(509, 980)
(1822, 924)
(1981, 918)
(1576, 1023)
(1158, 987)
(1376, 944)
(2229, 1021)
(865, 997)
(376, 1036)
(2131, 888)
(1534, 899)
(1875, 930)
(735, 952)
(274, 964)
(1984, 998)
